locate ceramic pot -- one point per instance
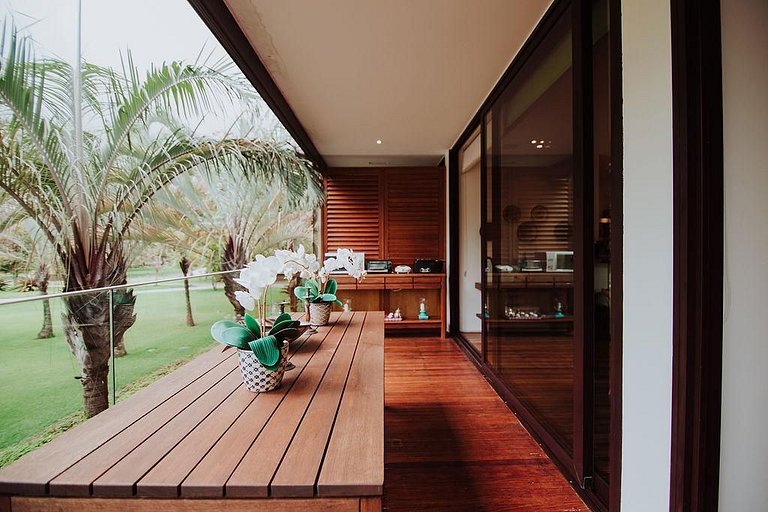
(255, 376)
(320, 312)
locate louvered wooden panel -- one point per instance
(352, 213)
(414, 214)
(543, 199)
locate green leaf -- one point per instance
(237, 336)
(253, 325)
(327, 297)
(278, 326)
(283, 316)
(220, 326)
(266, 350)
(314, 288)
(331, 286)
(287, 334)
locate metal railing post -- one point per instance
(112, 345)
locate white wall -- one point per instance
(470, 266)
(647, 309)
(744, 446)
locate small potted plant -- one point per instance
(319, 289)
(262, 350)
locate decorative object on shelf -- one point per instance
(559, 313)
(319, 289)
(347, 306)
(262, 350)
(423, 309)
(521, 313)
(396, 316)
(402, 269)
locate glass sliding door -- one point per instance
(603, 180)
(529, 231)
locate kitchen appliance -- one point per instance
(378, 266)
(425, 266)
(559, 261)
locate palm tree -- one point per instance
(234, 218)
(86, 189)
(22, 243)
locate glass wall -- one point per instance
(529, 291)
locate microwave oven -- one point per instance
(559, 261)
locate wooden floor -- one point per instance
(452, 445)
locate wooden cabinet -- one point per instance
(386, 292)
(397, 214)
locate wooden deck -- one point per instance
(452, 445)
(198, 435)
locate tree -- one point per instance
(86, 188)
(232, 220)
(22, 245)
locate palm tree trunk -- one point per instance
(184, 264)
(43, 277)
(233, 258)
(86, 324)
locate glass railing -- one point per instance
(42, 391)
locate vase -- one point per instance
(258, 378)
(320, 312)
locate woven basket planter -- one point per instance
(320, 312)
(255, 376)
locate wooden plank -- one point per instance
(27, 504)
(254, 473)
(119, 479)
(76, 480)
(164, 479)
(31, 474)
(354, 461)
(298, 470)
(5, 504)
(208, 478)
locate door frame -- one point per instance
(698, 247)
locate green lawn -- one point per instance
(37, 377)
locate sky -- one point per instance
(155, 31)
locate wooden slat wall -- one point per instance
(527, 188)
(396, 214)
(352, 215)
(414, 212)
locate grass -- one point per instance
(40, 395)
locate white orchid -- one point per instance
(246, 300)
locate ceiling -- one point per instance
(408, 73)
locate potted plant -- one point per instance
(262, 350)
(319, 289)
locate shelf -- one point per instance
(567, 319)
(432, 323)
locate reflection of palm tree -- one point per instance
(85, 189)
(232, 220)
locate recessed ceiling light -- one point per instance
(378, 141)
(533, 141)
(539, 146)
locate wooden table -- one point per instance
(197, 437)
